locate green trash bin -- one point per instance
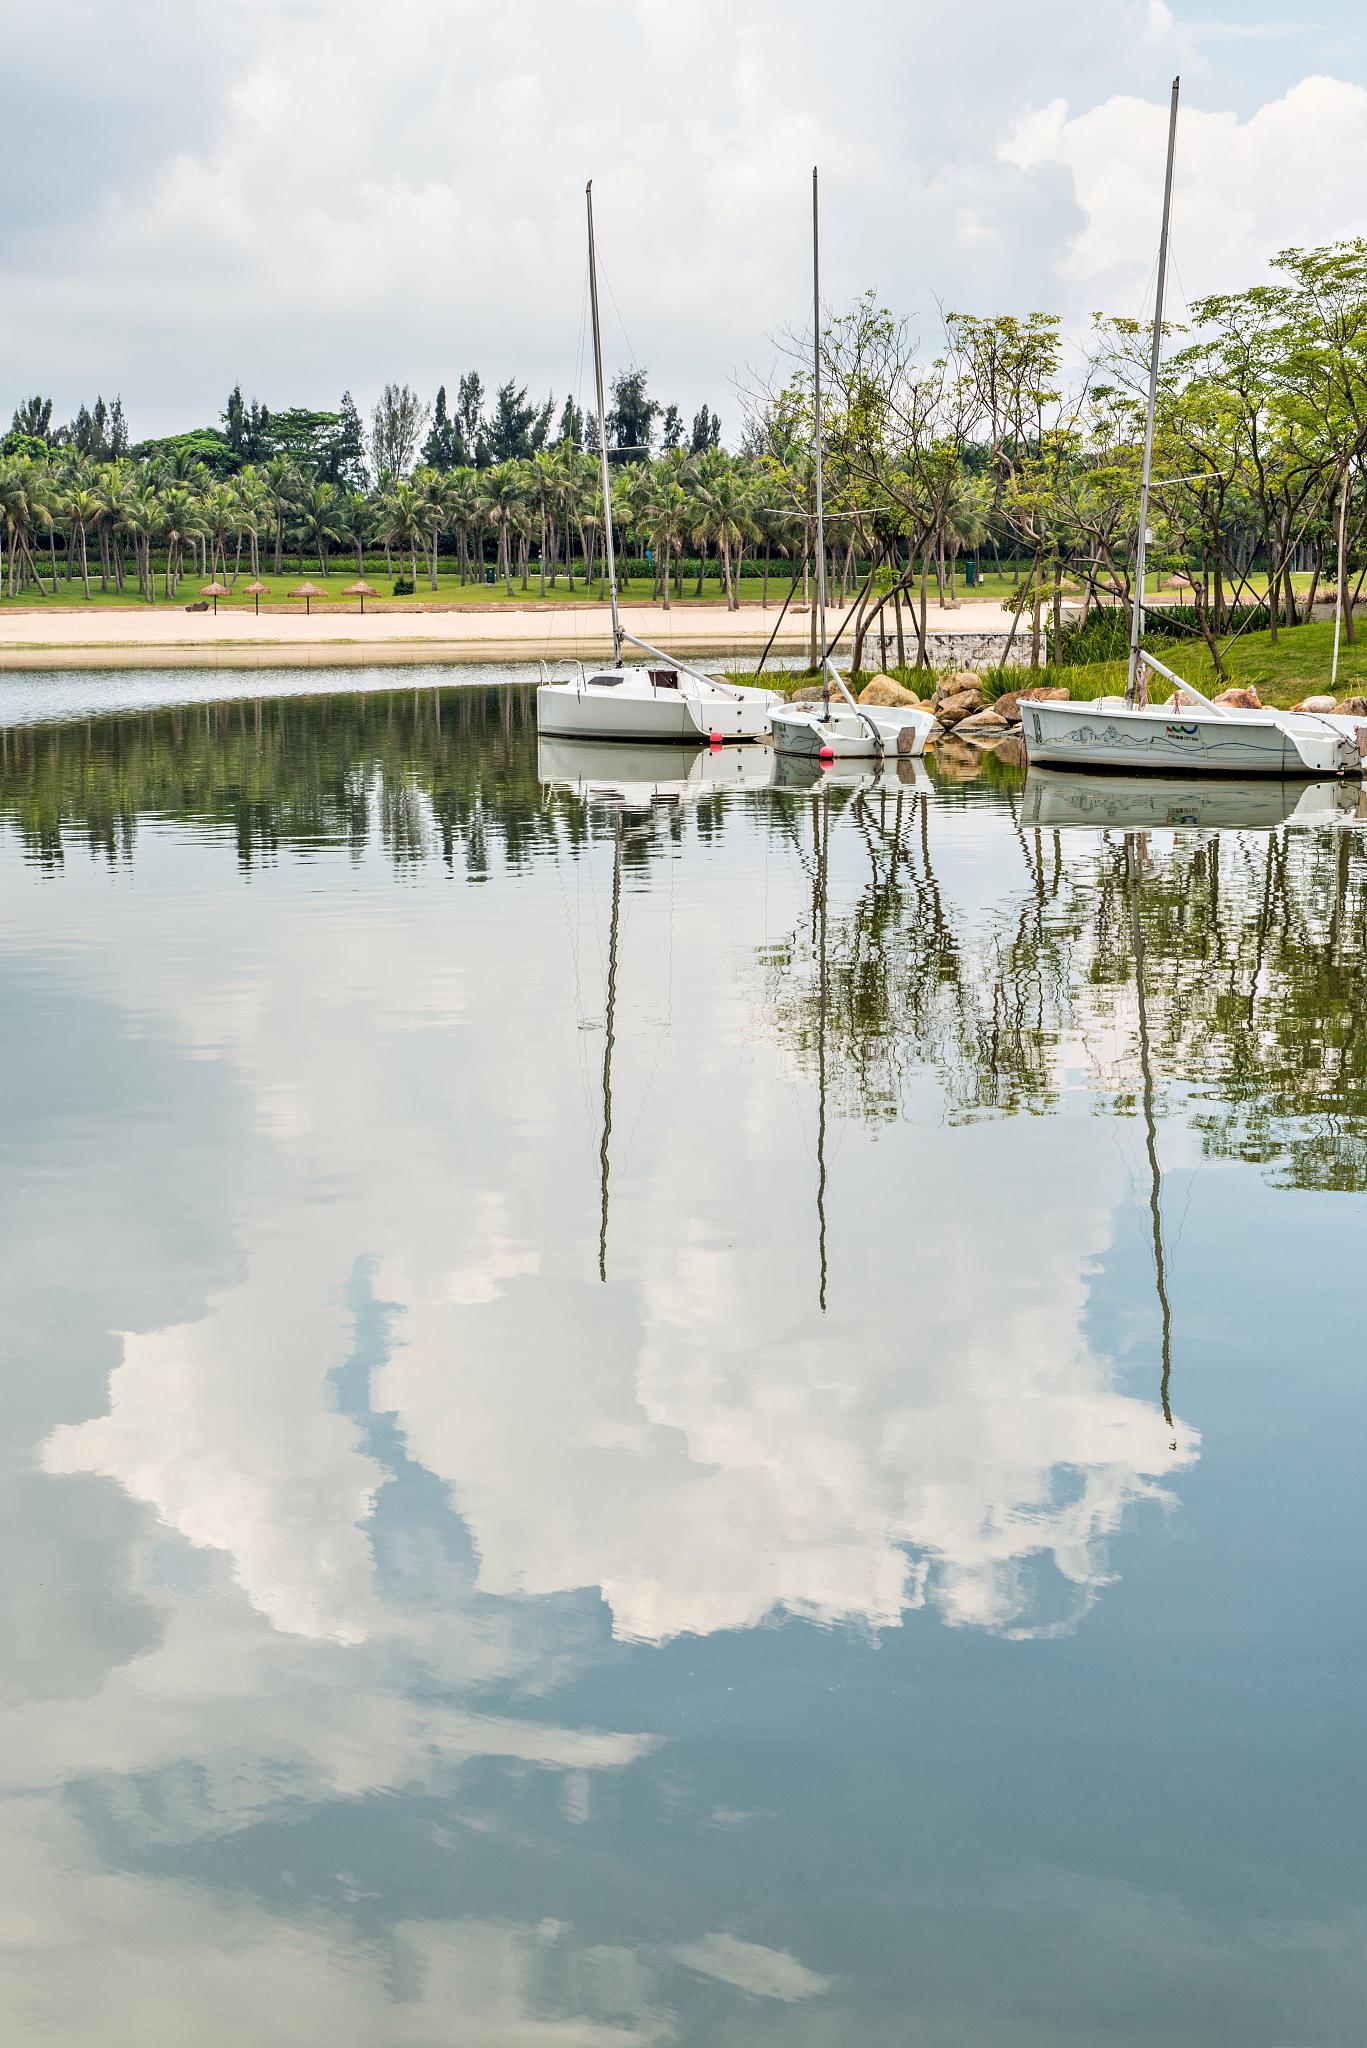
(488, 573)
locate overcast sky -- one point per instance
(312, 194)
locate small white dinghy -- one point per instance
(670, 702)
(850, 732)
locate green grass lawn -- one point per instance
(450, 590)
(1297, 666)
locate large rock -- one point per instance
(1315, 704)
(885, 690)
(809, 693)
(987, 724)
(1354, 707)
(962, 682)
(952, 710)
(1010, 701)
(1246, 699)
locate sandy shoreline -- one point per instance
(172, 637)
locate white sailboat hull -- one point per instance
(647, 777)
(1195, 741)
(626, 704)
(1054, 799)
(845, 735)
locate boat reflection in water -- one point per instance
(1149, 803)
(641, 777)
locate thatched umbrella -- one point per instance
(360, 588)
(215, 591)
(257, 591)
(308, 591)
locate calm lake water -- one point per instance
(735, 1417)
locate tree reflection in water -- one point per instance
(1255, 942)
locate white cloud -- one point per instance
(308, 198)
(1294, 171)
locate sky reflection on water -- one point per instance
(416, 1638)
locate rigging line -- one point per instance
(609, 1042)
(631, 353)
(1150, 1126)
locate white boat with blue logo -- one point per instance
(1188, 735)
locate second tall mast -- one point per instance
(609, 551)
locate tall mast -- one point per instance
(817, 432)
(1137, 606)
(609, 550)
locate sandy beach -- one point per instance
(167, 635)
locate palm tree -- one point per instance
(503, 494)
(543, 485)
(319, 520)
(428, 483)
(461, 497)
(966, 518)
(281, 485)
(355, 523)
(403, 513)
(725, 513)
(184, 521)
(253, 509)
(670, 519)
(114, 487)
(143, 519)
(17, 518)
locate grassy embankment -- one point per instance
(1297, 666)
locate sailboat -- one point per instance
(668, 701)
(1188, 735)
(844, 731)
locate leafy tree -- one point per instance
(444, 447)
(235, 422)
(511, 424)
(469, 417)
(33, 417)
(671, 429)
(345, 464)
(571, 428)
(706, 432)
(395, 428)
(632, 415)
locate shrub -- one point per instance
(403, 586)
(1105, 635)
